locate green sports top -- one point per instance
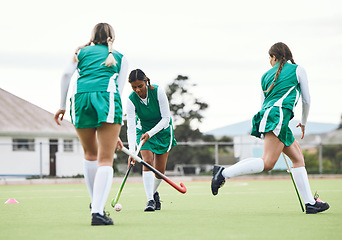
(286, 90)
(94, 76)
(149, 114)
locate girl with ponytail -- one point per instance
(282, 86)
(98, 37)
(96, 111)
(149, 121)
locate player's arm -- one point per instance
(65, 82)
(131, 126)
(121, 80)
(304, 87)
(165, 113)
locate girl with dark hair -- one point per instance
(96, 112)
(282, 85)
(149, 120)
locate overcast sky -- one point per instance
(221, 45)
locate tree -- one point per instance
(184, 107)
(186, 112)
(334, 154)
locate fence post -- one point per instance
(41, 160)
(320, 160)
(216, 154)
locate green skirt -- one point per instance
(275, 119)
(160, 143)
(91, 109)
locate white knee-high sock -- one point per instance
(90, 168)
(157, 182)
(102, 184)
(148, 179)
(300, 177)
(247, 166)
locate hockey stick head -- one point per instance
(182, 188)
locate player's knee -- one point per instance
(268, 166)
(298, 163)
(149, 161)
(89, 155)
(105, 162)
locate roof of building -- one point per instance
(19, 117)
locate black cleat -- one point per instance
(319, 206)
(157, 201)
(98, 219)
(218, 180)
(150, 206)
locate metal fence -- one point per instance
(37, 156)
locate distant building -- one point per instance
(32, 144)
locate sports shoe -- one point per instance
(97, 219)
(157, 201)
(319, 206)
(218, 180)
(150, 206)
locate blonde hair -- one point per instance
(102, 34)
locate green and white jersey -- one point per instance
(290, 85)
(94, 76)
(279, 103)
(154, 117)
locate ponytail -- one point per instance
(281, 65)
(102, 34)
(282, 53)
(110, 61)
(149, 83)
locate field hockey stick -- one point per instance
(116, 199)
(294, 184)
(180, 188)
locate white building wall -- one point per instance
(37, 162)
(5, 156)
(69, 164)
(23, 162)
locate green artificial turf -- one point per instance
(243, 209)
